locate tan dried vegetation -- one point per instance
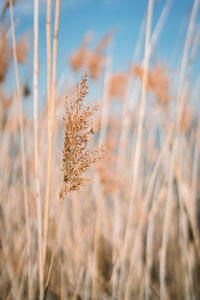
(127, 228)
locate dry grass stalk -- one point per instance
(160, 198)
(23, 155)
(99, 192)
(49, 125)
(121, 169)
(137, 156)
(194, 176)
(160, 23)
(174, 152)
(186, 119)
(77, 157)
(36, 145)
(51, 111)
(105, 102)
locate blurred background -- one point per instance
(100, 149)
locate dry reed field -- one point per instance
(99, 199)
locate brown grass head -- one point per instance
(158, 83)
(22, 48)
(94, 61)
(77, 156)
(77, 60)
(117, 85)
(104, 41)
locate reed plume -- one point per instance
(77, 156)
(78, 58)
(93, 60)
(157, 82)
(117, 85)
(22, 48)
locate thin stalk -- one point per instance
(51, 109)
(23, 156)
(123, 139)
(55, 47)
(147, 207)
(49, 155)
(149, 257)
(195, 166)
(174, 151)
(139, 137)
(36, 145)
(105, 100)
(183, 239)
(143, 98)
(54, 248)
(165, 234)
(158, 28)
(97, 232)
(78, 285)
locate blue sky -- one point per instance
(77, 17)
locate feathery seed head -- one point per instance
(157, 82)
(77, 157)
